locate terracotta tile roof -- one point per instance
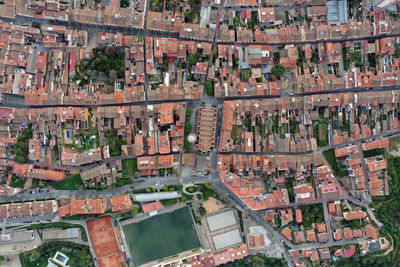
(44, 207)
(384, 143)
(354, 215)
(311, 237)
(357, 233)
(248, 141)
(371, 231)
(321, 227)
(164, 144)
(350, 252)
(166, 113)
(151, 145)
(21, 169)
(337, 235)
(299, 236)
(19, 210)
(138, 146)
(165, 161)
(152, 206)
(331, 208)
(64, 210)
(230, 254)
(304, 193)
(257, 240)
(119, 203)
(206, 126)
(286, 232)
(348, 233)
(145, 163)
(299, 217)
(88, 206)
(286, 215)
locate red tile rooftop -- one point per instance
(371, 231)
(384, 143)
(354, 215)
(120, 203)
(337, 235)
(311, 236)
(152, 206)
(357, 233)
(299, 236)
(286, 232)
(257, 240)
(299, 217)
(321, 227)
(350, 252)
(348, 233)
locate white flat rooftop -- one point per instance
(227, 239)
(221, 220)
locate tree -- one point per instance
(247, 123)
(148, 190)
(202, 210)
(36, 24)
(210, 88)
(278, 70)
(124, 3)
(113, 74)
(193, 59)
(245, 74)
(188, 127)
(135, 210)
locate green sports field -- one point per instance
(161, 236)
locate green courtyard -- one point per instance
(161, 236)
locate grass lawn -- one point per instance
(73, 182)
(79, 255)
(331, 158)
(322, 133)
(207, 191)
(129, 168)
(374, 152)
(161, 236)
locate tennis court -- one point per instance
(161, 236)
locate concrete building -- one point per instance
(206, 126)
(337, 11)
(155, 196)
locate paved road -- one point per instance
(209, 100)
(365, 171)
(130, 30)
(137, 184)
(327, 220)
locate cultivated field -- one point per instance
(161, 236)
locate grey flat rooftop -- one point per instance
(227, 239)
(221, 220)
(18, 236)
(60, 233)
